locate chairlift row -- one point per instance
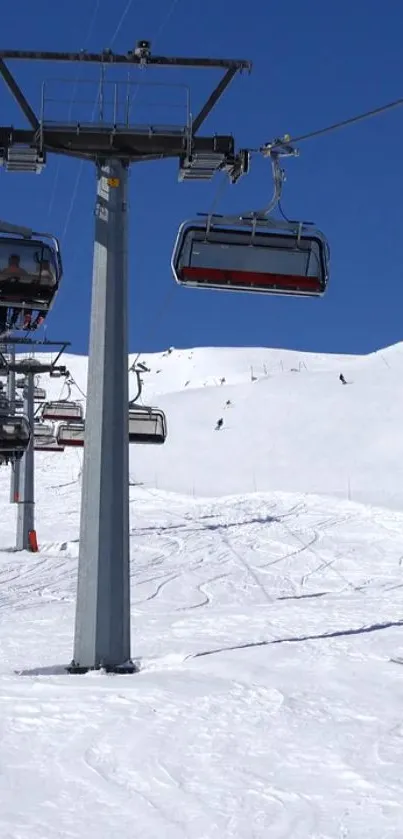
(146, 425)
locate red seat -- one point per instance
(225, 276)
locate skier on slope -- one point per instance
(220, 424)
(342, 379)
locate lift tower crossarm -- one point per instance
(231, 66)
(92, 143)
(23, 364)
(213, 98)
(16, 91)
(108, 57)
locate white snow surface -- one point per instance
(266, 586)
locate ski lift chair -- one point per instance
(254, 251)
(255, 257)
(71, 434)
(63, 411)
(47, 444)
(147, 425)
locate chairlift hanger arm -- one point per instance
(278, 181)
(133, 145)
(275, 150)
(16, 91)
(68, 384)
(139, 386)
(55, 366)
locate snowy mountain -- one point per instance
(266, 606)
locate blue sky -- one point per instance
(314, 63)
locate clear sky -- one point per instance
(314, 63)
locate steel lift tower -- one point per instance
(102, 634)
(28, 368)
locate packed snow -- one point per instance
(267, 572)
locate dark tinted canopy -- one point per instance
(30, 272)
(14, 433)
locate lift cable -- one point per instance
(220, 188)
(160, 315)
(163, 25)
(71, 105)
(165, 20)
(335, 125)
(121, 21)
(169, 294)
(81, 163)
(114, 36)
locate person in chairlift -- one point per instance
(45, 274)
(13, 270)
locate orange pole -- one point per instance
(33, 542)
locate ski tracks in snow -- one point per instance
(287, 740)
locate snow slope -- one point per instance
(263, 616)
(293, 428)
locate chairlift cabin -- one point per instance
(147, 425)
(15, 434)
(63, 411)
(30, 271)
(71, 434)
(252, 254)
